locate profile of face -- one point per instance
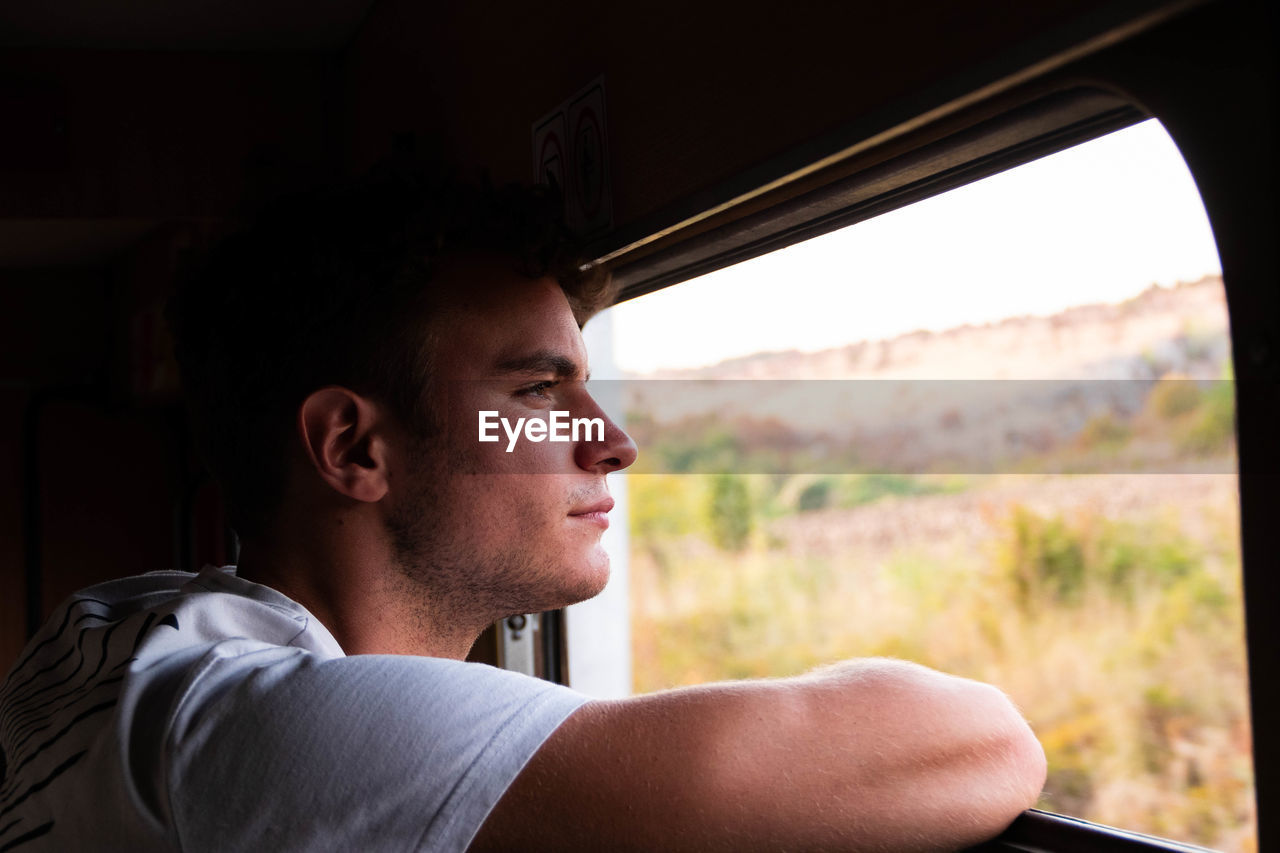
(493, 530)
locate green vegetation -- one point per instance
(1050, 562)
(1172, 400)
(1198, 420)
(1199, 416)
(1108, 606)
(730, 512)
(1105, 432)
(851, 490)
(1118, 633)
(1210, 426)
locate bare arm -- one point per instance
(867, 755)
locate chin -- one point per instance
(555, 585)
(589, 582)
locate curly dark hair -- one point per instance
(332, 287)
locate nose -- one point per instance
(614, 453)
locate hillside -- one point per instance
(1067, 392)
(1180, 329)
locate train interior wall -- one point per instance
(119, 160)
(123, 154)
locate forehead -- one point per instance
(489, 315)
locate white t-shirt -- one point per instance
(205, 712)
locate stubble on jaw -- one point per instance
(444, 573)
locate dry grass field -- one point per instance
(1107, 606)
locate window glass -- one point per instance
(991, 432)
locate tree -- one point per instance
(730, 512)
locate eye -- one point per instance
(537, 389)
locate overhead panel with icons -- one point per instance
(571, 153)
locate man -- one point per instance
(340, 355)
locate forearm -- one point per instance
(866, 755)
(870, 754)
(913, 758)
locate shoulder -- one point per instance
(358, 752)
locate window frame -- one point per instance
(1041, 125)
(1036, 831)
(1038, 128)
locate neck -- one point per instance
(351, 584)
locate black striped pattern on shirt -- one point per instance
(49, 696)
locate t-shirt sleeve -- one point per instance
(276, 751)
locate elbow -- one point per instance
(1029, 768)
(1036, 765)
(990, 761)
(1018, 759)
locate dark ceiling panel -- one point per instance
(187, 25)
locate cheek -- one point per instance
(513, 502)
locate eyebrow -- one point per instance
(542, 361)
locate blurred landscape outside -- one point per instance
(1107, 605)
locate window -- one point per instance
(991, 432)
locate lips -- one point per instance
(596, 513)
(603, 505)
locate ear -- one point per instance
(343, 434)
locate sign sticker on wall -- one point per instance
(571, 151)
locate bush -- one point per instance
(1104, 432)
(1173, 398)
(729, 512)
(1045, 559)
(816, 495)
(1049, 561)
(1213, 428)
(866, 488)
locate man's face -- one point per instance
(489, 531)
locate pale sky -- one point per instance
(1096, 223)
